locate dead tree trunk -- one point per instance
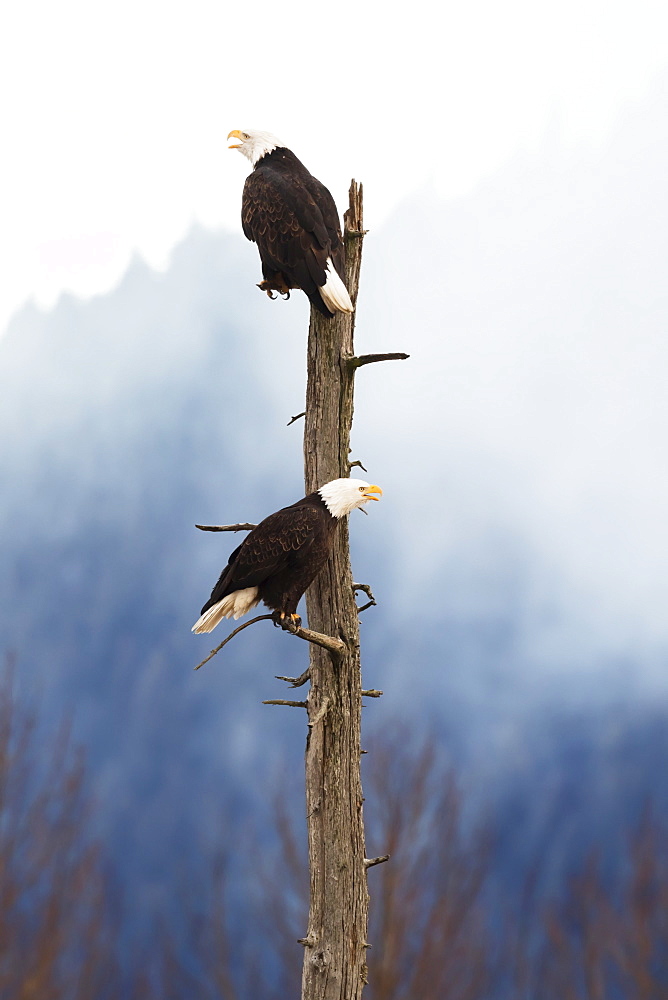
(335, 945)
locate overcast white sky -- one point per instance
(114, 116)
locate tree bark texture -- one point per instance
(335, 944)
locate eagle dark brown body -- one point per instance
(284, 554)
(280, 557)
(293, 219)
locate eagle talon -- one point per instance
(289, 623)
(265, 286)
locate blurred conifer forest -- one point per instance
(442, 923)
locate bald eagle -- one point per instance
(293, 219)
(281, 556)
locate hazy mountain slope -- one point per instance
(125, 421)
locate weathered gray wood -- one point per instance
(335, 944)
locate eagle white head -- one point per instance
(254, 144)
(343, 495)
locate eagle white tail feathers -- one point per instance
(334, 293)
(232, 606)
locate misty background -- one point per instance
(518, 556)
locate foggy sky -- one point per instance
(115, 116)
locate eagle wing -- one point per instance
(293, 219)
(267, 550)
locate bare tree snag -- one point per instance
(334, 953)
(335, 944)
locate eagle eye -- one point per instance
(362, 488)
(245, 135)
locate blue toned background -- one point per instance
(518, 556)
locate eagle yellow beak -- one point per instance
(236, 134)
(373, 489)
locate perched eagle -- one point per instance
(281, 556)
(293, 219)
